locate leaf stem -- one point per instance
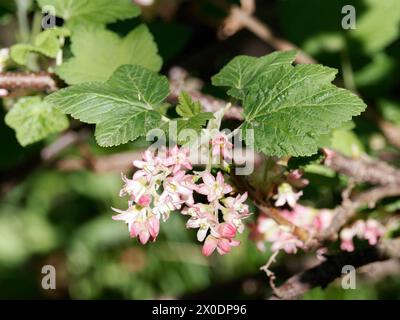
(59, 58)
(347, 70)
(23, 23)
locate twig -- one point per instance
(66, 140)
(363, 169)
(379, 270)
(347, 210)
(40, 81)
(240, 18)
(391, 132)
(266, 269)
(331, 268)
(110, 163)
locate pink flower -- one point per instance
(178, 158)
(237, 204)
(3, 92)
(322, 220)
(287, 195)
(221, 146)
(373, 231)
(203, 220)
(235, 210)
(135, 187)
(222, 245)
(346, 237)
(279, 236)
(286, 241)
(225, 230)
(370, 230)
(220, 239)
(181, 185)
(300, 215)
(161, 186)
(214, 188)
(139, 223)
(144, 200)
(166, 203)
(150, 164)
(295, 178)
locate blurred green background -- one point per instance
(63, 218)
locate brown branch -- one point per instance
(391, 132)
(240, 17)
(64, 141)
(111, 163)
(40, 81)
(329, 270)
(347, 210)
(379, 270)
(362, 169)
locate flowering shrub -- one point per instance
(273, 158)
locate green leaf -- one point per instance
(34, 119)
(187, 107)
(379, 25)
(243, 71)
(192, 117)
(288, 107)
(20, 52)
(46, 43)
(195, 122)
(98, 53)
(123, 108)
(92, 11)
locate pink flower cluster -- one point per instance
(162, 185)
(370, 230)
(281, 237)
